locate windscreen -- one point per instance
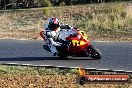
(65, 33)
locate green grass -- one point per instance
(12, 69)
(19, 69)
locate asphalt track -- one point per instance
(116, 55)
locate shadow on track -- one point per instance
(28, 58)
(42, 58)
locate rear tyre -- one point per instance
(62, 55)
(62, 52)
(94, 52)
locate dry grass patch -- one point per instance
(43, 77)
(51, 81)
(19, 34)
(112, 21)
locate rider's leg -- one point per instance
(51, 47)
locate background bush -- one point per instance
(10, 4)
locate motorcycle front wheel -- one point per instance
(93, 52)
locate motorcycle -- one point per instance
(74, 43)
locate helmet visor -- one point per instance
(55, 26)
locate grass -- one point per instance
(12, 69)
(46, 77)
(101, 20)
(109, 21)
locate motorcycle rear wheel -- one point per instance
(61, 52)
(62, 56)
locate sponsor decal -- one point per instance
(107, 78)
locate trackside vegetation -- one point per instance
(14, 76)
(105, 21)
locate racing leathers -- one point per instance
(52, 38)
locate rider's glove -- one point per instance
(48, 34)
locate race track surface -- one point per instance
(116, 55)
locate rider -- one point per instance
(52, 30)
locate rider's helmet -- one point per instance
(54, 24)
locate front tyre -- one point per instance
(94, 52)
